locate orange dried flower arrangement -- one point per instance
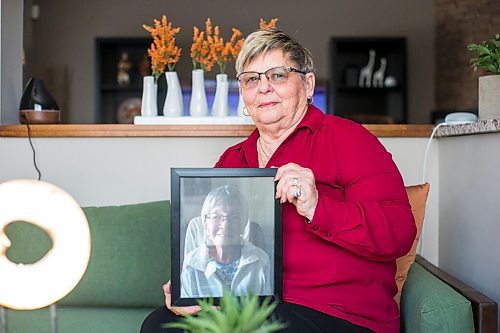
(200, 49)
(220, 52)
(266, 26)
(164, 53)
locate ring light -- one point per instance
(33, 286)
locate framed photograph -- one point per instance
(226, 234)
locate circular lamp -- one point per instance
(33, 286)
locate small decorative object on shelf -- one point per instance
(365, 75)
(37, 104)
(378, 76)
(488, 59)
(390, 82)
(149, 106)
(165, 54)
(124, 65)
(128, 110)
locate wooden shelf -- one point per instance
(125, 130)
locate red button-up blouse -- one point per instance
(343, 262)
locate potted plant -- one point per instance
(488, 59)
(234, 315)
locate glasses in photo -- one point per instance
(275, 76)
(219, 217)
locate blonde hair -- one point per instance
(263, 41)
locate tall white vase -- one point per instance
(220, 108)
(173, 106)
(149, 106)
(198, 106)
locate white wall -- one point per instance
(469, 217)
(112, 171)
(409, 155)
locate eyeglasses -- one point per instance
(275, 76)
(219, 217)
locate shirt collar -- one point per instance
(312, 120)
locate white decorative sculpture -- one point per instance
(378, 76)
(365, 75)
(390, 81)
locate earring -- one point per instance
(245, 111)
(309, 100)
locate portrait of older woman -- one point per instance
(225, 260)
(346, 215)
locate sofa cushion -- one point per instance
(130, 256)
(430, 305)
(78, 320)
(417, 195)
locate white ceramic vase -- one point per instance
(220, 108)
(489, 97)
(198, 106)
(149, 106)
(173, 106)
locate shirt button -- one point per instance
(315, 227)
(328, 234)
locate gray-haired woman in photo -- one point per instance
(225, 260)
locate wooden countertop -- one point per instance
(104, 130)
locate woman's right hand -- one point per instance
(178, 310)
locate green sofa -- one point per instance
(130, 262)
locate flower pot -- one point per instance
(173, 106)
(220, 108)
(198, 106)
(489, 97)
(149, 106)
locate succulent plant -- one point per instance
(234, 315)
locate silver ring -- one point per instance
(297, 193)
(295, 182)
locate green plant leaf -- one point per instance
(488, 57)
(236, 315)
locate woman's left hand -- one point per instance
(297, 186)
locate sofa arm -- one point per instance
(484, 309)
(428, 305)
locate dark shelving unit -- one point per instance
(110, 95)
(386, 104)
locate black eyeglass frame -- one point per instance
(287, 68)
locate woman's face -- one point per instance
(281, 105)
(224, 226)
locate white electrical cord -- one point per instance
(424, 169)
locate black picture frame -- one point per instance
(189, 188)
